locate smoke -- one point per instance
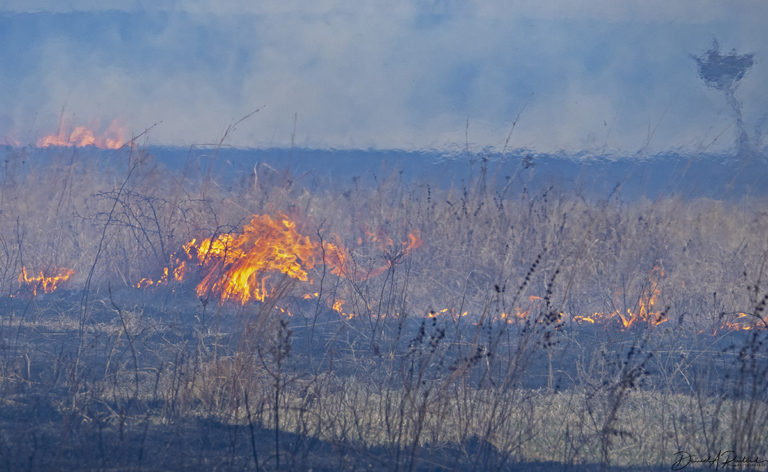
(593, 77)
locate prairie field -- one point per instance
(164, 318)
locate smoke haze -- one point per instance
(595, 77)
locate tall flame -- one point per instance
(237, 266)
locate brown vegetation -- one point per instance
(464, 353)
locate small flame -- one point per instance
(743, 322)
(392, 254)
(387, 245)
(46, 283)
(338, 306)
(435, 314)
(414, 242)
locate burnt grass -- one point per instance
(101, 375)
(122, 414)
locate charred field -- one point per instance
(218, 313)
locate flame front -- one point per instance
(241, 267)
(646, 310)
(112, 138)
(46, 283)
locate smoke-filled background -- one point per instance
(447, 235)
(599, 77)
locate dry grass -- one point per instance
(159, 379)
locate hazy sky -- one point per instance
(592, 76)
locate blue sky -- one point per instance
(583, 76)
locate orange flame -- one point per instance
(46, 283)
(237, 266)
(743, 322)
(112, 138)
(338, 306)
(392, 255)
(646, 309)
(239, 263)
(387, 245)
(414, 242)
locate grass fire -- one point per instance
(385, 236)
(482, 324)
(43, 283)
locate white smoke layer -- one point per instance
(582, 76)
